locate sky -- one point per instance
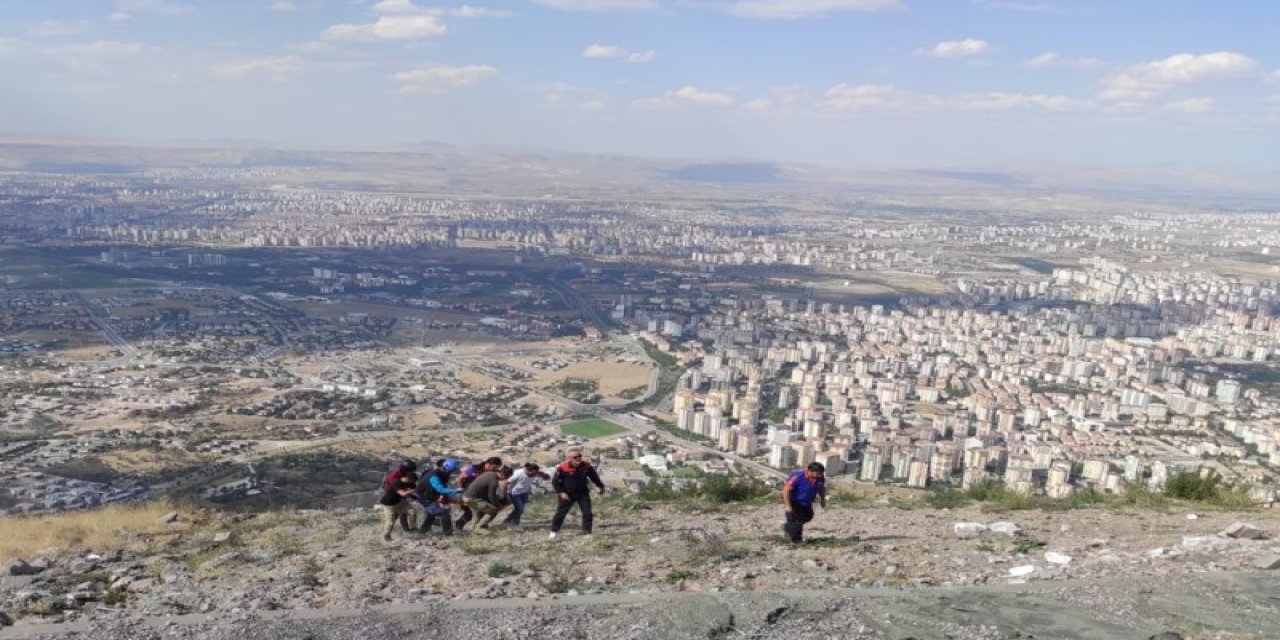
(868, 83)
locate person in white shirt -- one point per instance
(519, 487)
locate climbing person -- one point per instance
(484, 496)
(572, 482)
(520, 487)
(798, 494)
(396, 503)
(435, 494)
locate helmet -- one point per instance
(451, 465)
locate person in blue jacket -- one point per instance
(434, 495)
(802, 488)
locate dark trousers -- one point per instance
(437, 512)
(799, 514)
(562, 509)
(518, 502)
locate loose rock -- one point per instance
(20, 567)
(968, 529)
(1244, 531)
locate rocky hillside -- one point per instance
(874, 572)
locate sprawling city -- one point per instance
(167, 321)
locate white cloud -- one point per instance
(1013, 5)
(400, 27)
(439, 78)
(1051, 59)
(274, 67)
(468, 11)
(780, 97)
(1151, 80)
(92, 55)
(1274, 76)
(966, 48)
(846, 97)
(396, 6)
(797, 9)
(55, 28)
(9, 45)
(119, 16)
(407, 7)
(1191, 105)
(605, 51)
(867, 97)
(102, 49)
(1002, 101)
(567, 95)
(600, 5)
(162, 7)
(686, 95)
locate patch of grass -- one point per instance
(309, 574)
(114, 597)
(986, 547)
(709, 547)
(92, 576)
(284, 541)
(500, 570)
(559, 584)
(726, 489)
(1138, 495)
(91, 529)
(906, 504)
(679, 575)
(834, 542)
(1023, 545)
(947, 498)
(43, 607)
(1085, 499)
(591, 428)
(472, 547)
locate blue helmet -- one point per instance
(451, 465)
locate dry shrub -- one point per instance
(108, 527)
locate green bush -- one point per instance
(1190, 485)
(947, 498)
(1022, 546)
(680, 575)
(725, 489)
(656, 490)
(500, 570)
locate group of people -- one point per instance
(486, 488)
(482, 490)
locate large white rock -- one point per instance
(968, 529)
(1057, 558)
(1004, 528)
(1243, 530)
(1024, 570)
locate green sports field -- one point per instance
(591, 428)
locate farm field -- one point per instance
(591, 428)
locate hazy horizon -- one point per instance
(877, 83)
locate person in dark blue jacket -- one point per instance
(802, 488)
(434, 495)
